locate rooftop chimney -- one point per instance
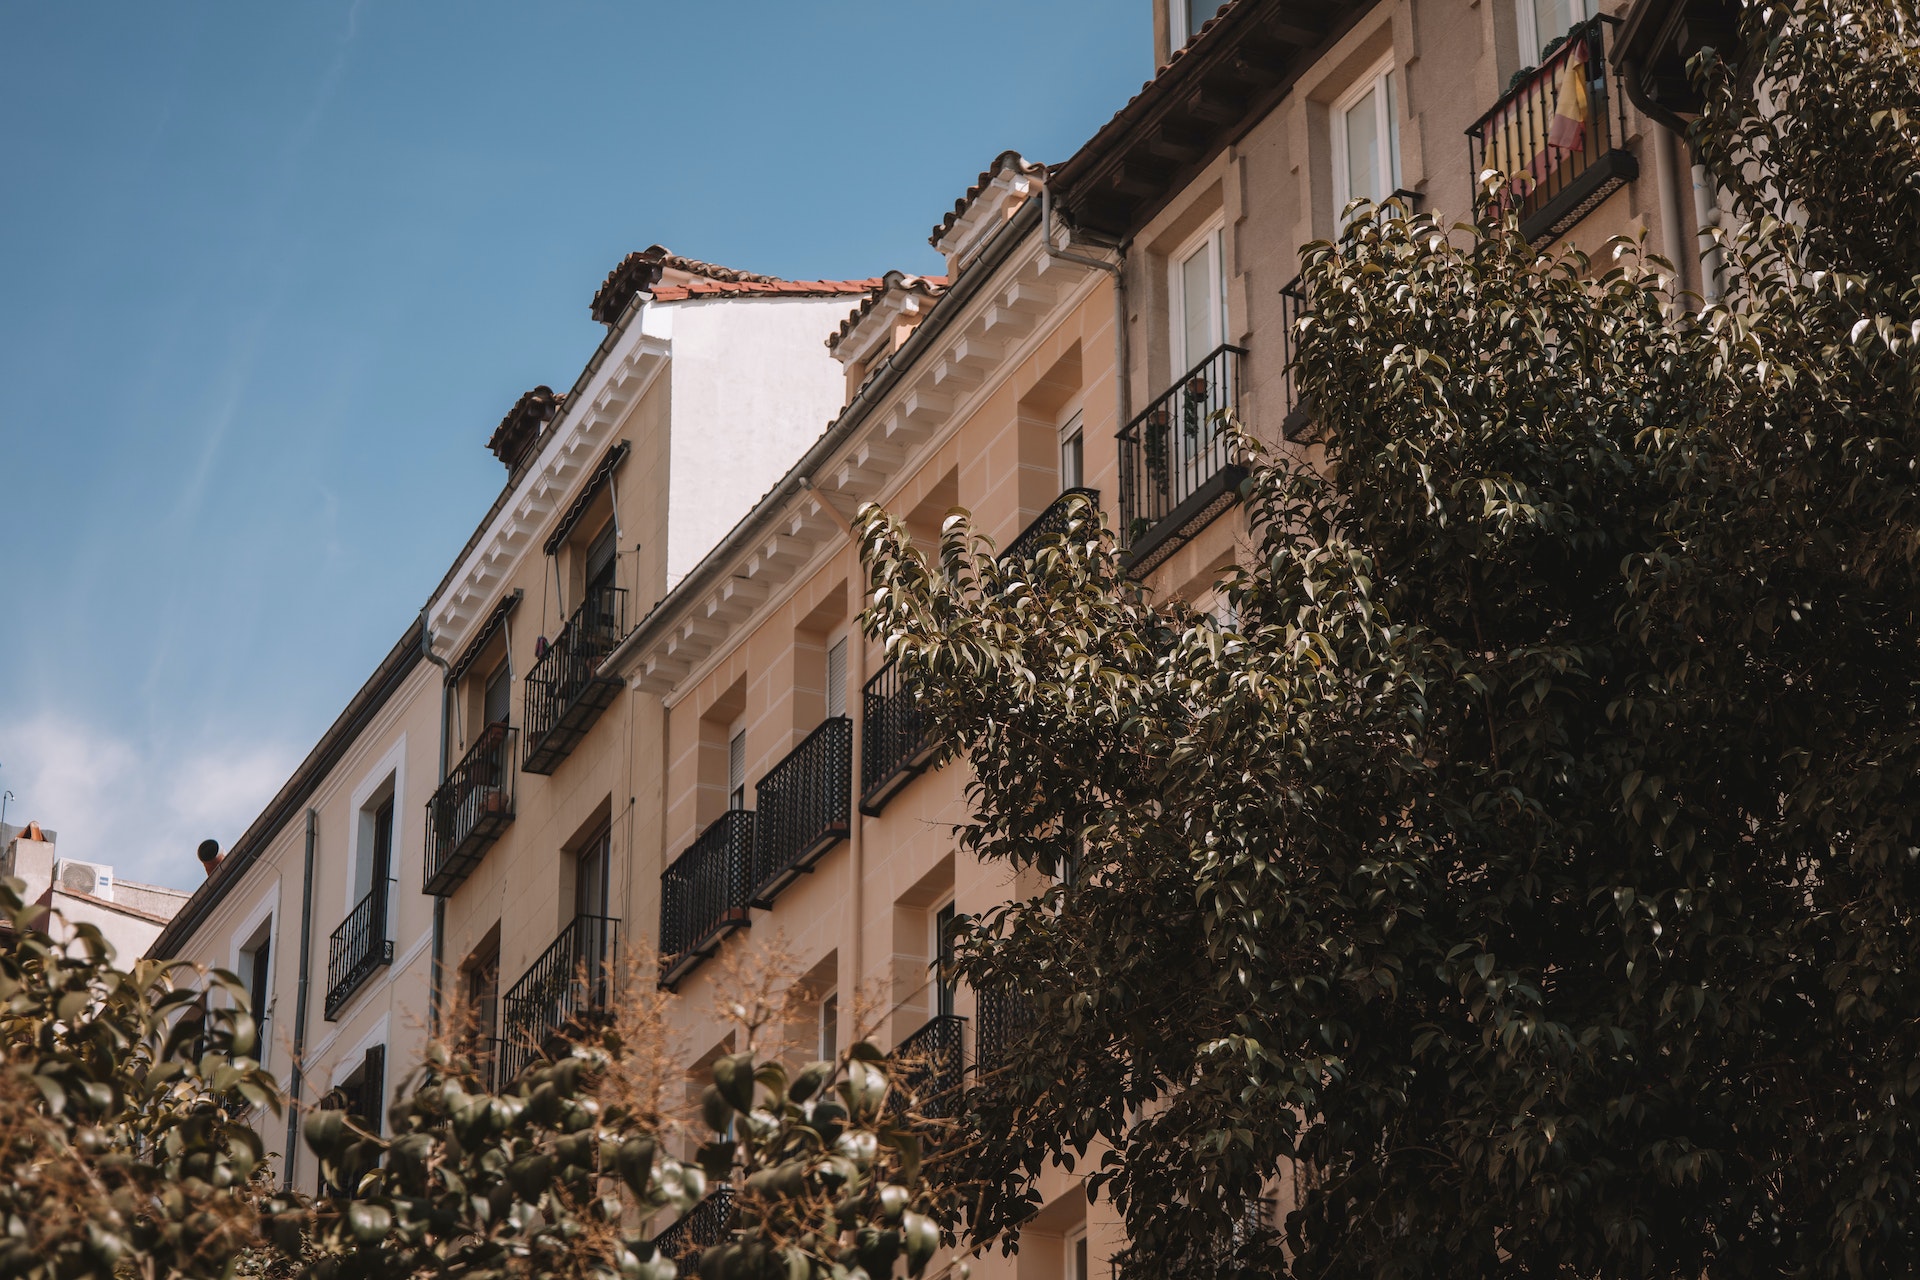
(210, 856)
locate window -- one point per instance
(1544, 21)
(496, 703)
(1073, 462)
(601, 555)
(829, 1026)
(943, 925)
(483, 993)
(374, 867)
(1199, 300)
(1076, 1252)
(1366, 140)
(837, 678)
(737, 770)
(590, 875)
(256, 970)
(1188, 16)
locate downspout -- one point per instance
(1706, 211)
(1672, 246)
(1706, 216)
(300, 1005)
(1123, 395)
(440, 903)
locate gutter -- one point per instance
(799, 477)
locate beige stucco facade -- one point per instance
(683, 504)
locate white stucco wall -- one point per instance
(753, 385)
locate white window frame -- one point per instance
(1387, 107)
(392, 767)
(1213, 241)
(1527, 29)
(828, 1002)
(1180, 31)
(265, 912)
(737, 733)
(1074, 428)
(1069, 1248)
(842, 641)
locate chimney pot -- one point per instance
(210, 856)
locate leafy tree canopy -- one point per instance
(1523, 882)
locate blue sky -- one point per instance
(272, 272)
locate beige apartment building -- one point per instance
(639, 712)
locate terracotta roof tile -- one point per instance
(960, 206)
(926, 286)
(744, 288)
(643, 268)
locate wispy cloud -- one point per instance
(141, 806)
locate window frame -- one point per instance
(1073, 432)
(737, 755)
(1072, 1245)
(1212, 240)
(827, 1020)
(945, 991)
(1385, 73)
(1181, 28)
(1528, 36)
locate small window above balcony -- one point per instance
(1558, 134)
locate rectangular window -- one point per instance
(601, 555)
(1199, 301)
(943, 924)
(1077, 1254)
(1191, 15)
(499, 694)
(837, 678)
(590, 875)
(375, 863)
(1366, 140)
(1073, 462)
(830, 1026)
(737, 770)
(1544, 21)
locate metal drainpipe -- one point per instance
(439, 903)
(300, 1006)
(857, 835)
(1706, 215)
(1123, 398)
(1673, 245)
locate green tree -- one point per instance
(1524, 883)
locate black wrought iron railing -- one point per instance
(804, 808)
(1559, 135)
(565, 692)
(358, 948)
(471, 808)
(564, 990)
(896, 744)
(1005, 1017)
(1047, 524)
(1177, 467)
(704, 894)
(705, 1225)
(930, 1068)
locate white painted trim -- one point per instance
(1211, 240)
(391, 765)
(349, 1062)
(266, 911)
(1386, 111)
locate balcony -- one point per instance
(1006, 1016)
(1177, 472)
(358, 948)
(470, 810)
(704, 894)
(705, 1225)
(896, 746)
(805, 808)
(565, 692)
(1047, 524)
(565, 990)
(931, 1067)
(1558, 136)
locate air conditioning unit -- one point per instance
(91, 878)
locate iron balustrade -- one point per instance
(1053, 521)
(1554, 137)
(1177, 469)
(358, 948)
(805, 807)
(896, 744)
(564, 990)
(1006, 1016)
(565, 691)
(470, 810)
(931, 1067)
(703, 1226)
(704, 894)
